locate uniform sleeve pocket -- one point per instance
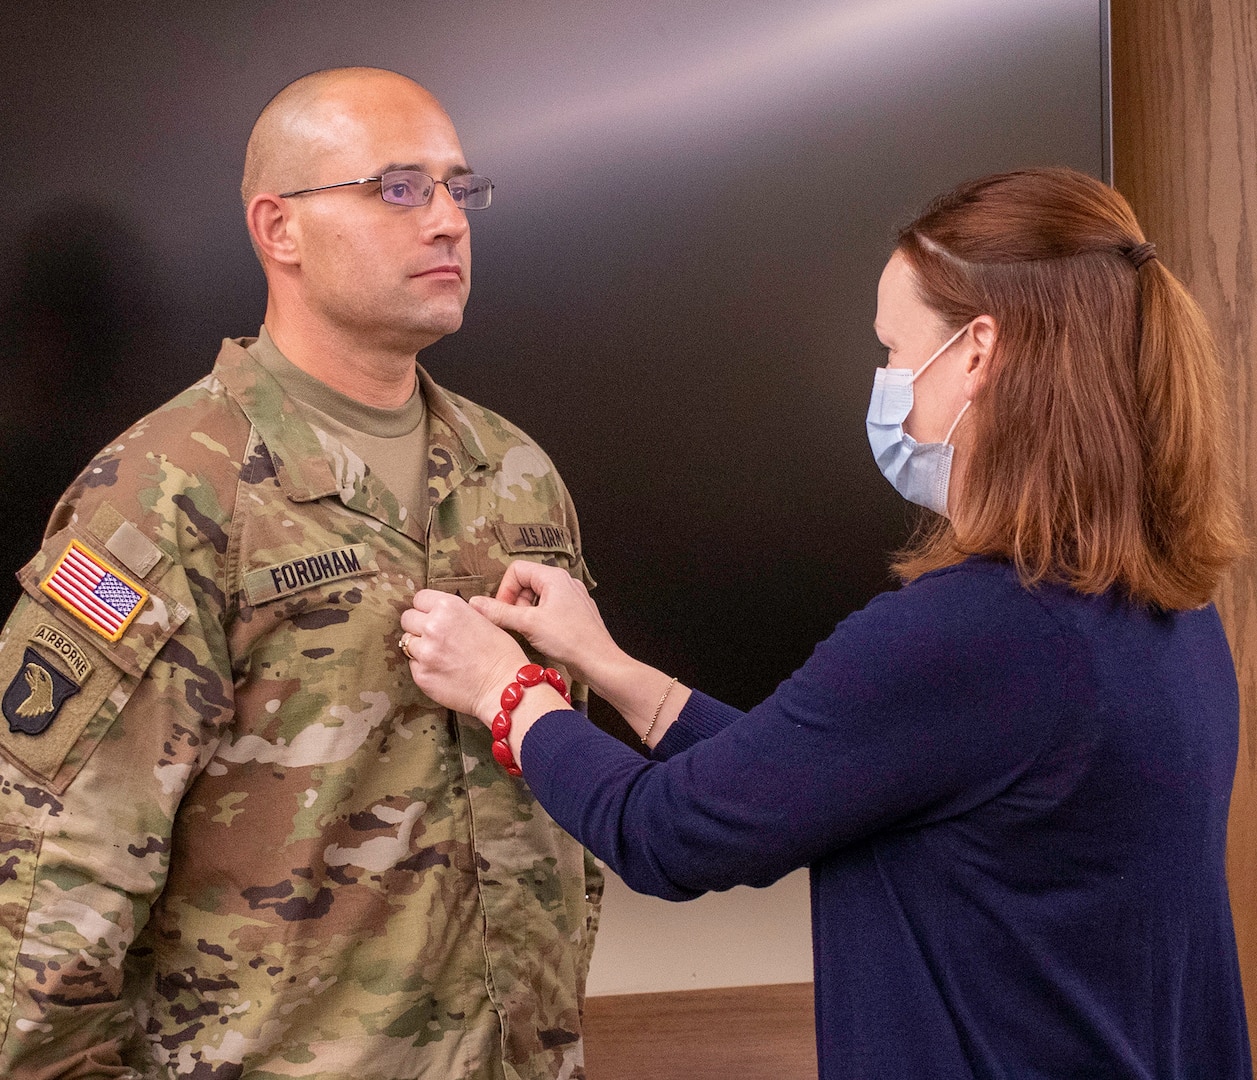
(128, 620)
(72, 653)
(19, 853)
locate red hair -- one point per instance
(1098, 444)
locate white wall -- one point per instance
(743, 937)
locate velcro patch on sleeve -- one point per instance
(133, 549)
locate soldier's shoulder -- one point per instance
(185, 454)
(203, 413)
(496, 433)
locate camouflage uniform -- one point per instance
(235, 839)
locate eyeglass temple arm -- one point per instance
(325, 187)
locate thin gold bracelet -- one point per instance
(658, 709)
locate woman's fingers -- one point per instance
(527, 582)
(564, 624)
(507, 616)
(456, 657)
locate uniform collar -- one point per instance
(304, 466)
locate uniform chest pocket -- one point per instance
(502, 543)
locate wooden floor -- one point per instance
(741, 1033)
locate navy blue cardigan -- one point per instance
(1014, 806)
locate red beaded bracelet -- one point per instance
(528, 675)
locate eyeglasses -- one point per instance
(410, 187)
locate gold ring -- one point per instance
(404, 644)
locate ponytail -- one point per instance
(1190, 517)
(1098, 451)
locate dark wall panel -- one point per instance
(673, 292)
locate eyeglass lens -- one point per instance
(409, 187)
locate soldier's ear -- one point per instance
(274, 229)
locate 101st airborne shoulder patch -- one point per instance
(90, 589)
(36, 694)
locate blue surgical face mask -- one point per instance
(920, 472)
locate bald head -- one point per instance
(311, 116)
(356, 285)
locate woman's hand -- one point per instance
(457, 657)
(554, 612)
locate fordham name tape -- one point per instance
(87, 587)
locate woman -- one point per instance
(1010, 778)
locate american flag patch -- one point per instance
(85, 586)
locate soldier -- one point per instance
(235, 839)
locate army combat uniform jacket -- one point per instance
(235, 839)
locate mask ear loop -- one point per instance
(941, 349)
(921, 370)
(963, 409)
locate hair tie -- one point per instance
(1140, 254)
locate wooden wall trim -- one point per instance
(1185, 155)
(747, 1032)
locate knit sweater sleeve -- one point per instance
(928, 702)
(701, 718)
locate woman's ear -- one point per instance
(984, 331)
(273, 229)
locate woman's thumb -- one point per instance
(507, 616)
